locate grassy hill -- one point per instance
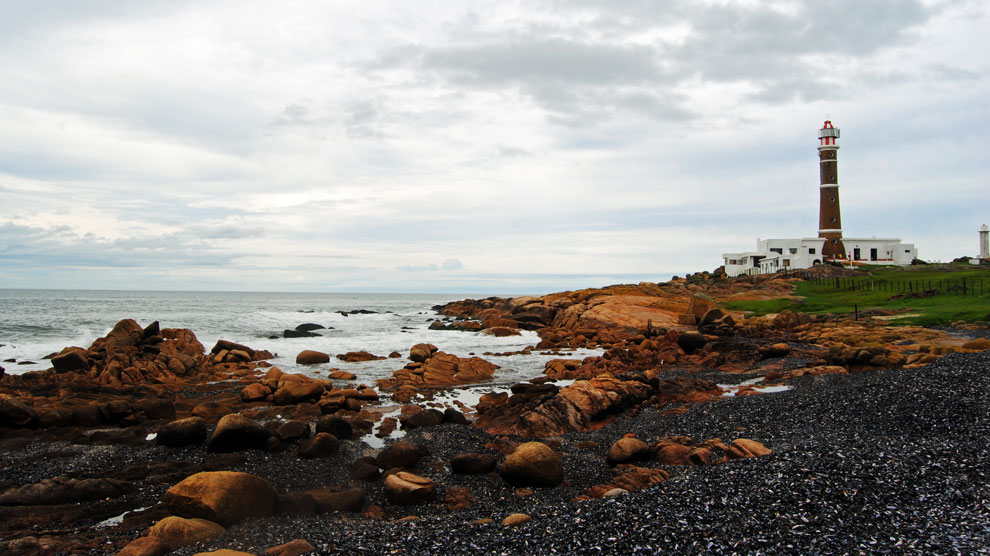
(928, 295)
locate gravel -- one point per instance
(892, 462)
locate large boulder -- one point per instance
(532, 464)
(182, 432)
(179, 531)
(235, 433)
(224, 497)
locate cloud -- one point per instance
(329, 147)
(447, 266)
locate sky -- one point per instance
(495, 147)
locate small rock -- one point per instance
(515, 519)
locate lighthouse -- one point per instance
(829, 219)
(984, 243)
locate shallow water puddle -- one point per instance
(732, 389)
(117, 519)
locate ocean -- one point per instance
(36, 323)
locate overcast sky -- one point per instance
(474, 146)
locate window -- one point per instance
(833, 219)
(811, 250)
(793, 250)
(833, 199)
(777, 250)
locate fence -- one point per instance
(920, 288)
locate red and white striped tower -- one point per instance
(829, 219)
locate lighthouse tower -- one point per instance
(984, 243)
(829, 220)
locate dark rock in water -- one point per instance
(184, 432)
(298, 334)
(63, 490)
(16, 414)
(322, 445)
(312, 357)
(235, 433)
(336, 426)
(473, 463)
(309, 327)
(357, 312)
(401, 454)
(230, 346)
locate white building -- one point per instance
(774, 255)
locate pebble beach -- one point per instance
(884, 462)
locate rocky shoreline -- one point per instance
(145, 443)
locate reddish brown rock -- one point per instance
(404, 489)
(311, 357)
(322, 445)
(441, 370)
(746, 448)
(255, 392)
(626, 450)
(178, 531)
(298, 392)
(296, 547)
(512, 520)
(401, 454)
(145, 546)
(350, 500)
(224, 497)
(182, 432)
(235, 433)
(674, 454)
(532, 464)
(358, 357)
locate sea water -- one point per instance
(37, 323)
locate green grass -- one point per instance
(875, 287)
